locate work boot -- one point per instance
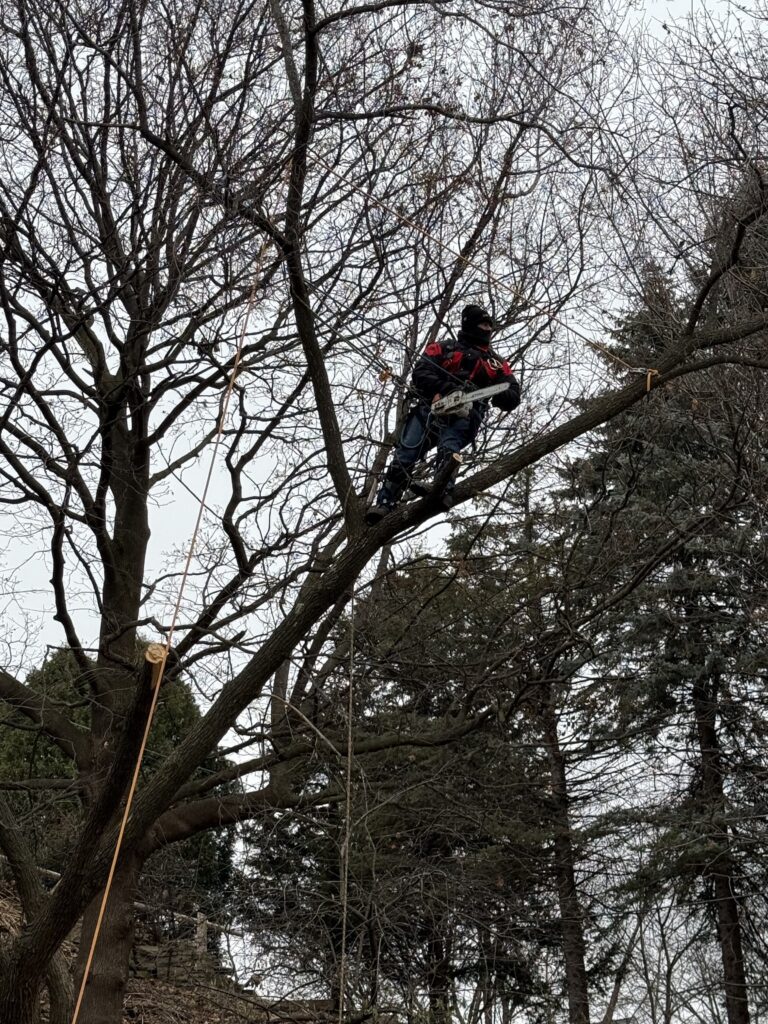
(445, 500)
(447, 466)
(377, 512)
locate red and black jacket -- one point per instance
(445, 366)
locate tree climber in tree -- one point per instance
(466, 365)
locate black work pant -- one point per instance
(421, 432)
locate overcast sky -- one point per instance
(661, 10)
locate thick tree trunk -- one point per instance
(60, 991)
(574, 948)
(20, 987)
(722, 869)
(729, 933)
(105, 991)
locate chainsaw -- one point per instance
(459, 403)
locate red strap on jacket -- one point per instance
(492, 368)
(451, 362)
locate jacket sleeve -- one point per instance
(509, 399)
(429, 377)
(495, 370)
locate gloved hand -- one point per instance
(509, 399)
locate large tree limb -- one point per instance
(604, 408)
(184, 820)
(20, 860)
(68, 737)
(302, 310)
(189, 819)
(361, 746)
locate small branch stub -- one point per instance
(156, 655)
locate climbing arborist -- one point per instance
(467, 364)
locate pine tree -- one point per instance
(672, 502)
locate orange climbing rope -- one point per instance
(157, 654)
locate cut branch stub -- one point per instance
(156, 655)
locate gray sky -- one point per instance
(662, 10)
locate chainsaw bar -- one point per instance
(461, 402)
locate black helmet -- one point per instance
(471, 318)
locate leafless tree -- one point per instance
(357, 171)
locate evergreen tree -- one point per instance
(670, 504)
(194, 875)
